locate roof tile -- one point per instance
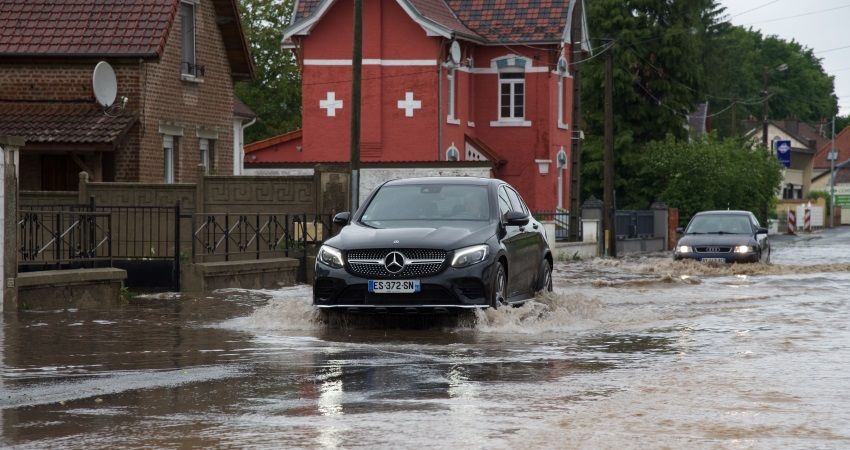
(66, 123)
(78, 27)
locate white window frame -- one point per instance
(451, 76)
(204, 149)
(449, 152)
(511, 120)
(168, 158)
(184, 72)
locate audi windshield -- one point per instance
(720, 224)
(427, 205)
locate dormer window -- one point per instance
(189, 68)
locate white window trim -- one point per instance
(168, 158)
(451, 77)
(561, 104)
(449, 150)
(204, 150)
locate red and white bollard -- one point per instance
(792, 222)
(807, 219)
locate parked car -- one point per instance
(434, 244)
(725, 237)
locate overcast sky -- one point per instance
(818, 24)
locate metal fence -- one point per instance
(561, 220)
(224, 236)
(635, 224)
(60, 239)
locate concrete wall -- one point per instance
(258, 274)
(80, 289)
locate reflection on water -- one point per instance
(633, 353)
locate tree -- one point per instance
(275, 94)
(711, 174)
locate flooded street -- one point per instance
(634, 353)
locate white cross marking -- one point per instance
(409, 104)
(331, 104)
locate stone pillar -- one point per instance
(591, 219)
(83, 189)
(200, 187)
(8, 214)
(672, 228)
(660, 218)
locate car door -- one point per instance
(763, 242)
(528, 247)
(512, 243)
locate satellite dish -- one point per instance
(454, 52)
(104, 83)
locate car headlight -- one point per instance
(683, 249)
(330, 256)
(743, 249)
(469, 256)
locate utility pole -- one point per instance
(610, 213)
(832, 156)
(735, 117)
(576, 41)
(356, 78)
(766, 96)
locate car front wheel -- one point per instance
(499, 290)
(544, 283)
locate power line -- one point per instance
(832, 49)
(755, 9)
(810, 13)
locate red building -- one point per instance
(443, 81)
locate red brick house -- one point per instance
(820, 180)
(505, 98)
(175, 63)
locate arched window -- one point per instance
(452, 154)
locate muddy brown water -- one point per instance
(632, 353)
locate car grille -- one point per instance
(419, 263)
(713, 249)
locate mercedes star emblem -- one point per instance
(394, 262)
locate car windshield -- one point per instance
(418, 205)
(720, 224)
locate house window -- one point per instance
(168, 146)
(511, 96)
(206, 159)
(452, 78)
(189, 68)
(452, 154)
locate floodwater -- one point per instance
(633, 353)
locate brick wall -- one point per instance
(189, 105)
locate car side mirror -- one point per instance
(516, 219)
(680, 230)
(762, 230)
(342, 218)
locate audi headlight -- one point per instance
(683, 249)
(330, 256)
(743, 249)
(470, 255)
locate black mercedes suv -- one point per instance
(434, 244)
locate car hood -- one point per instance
(356, 236)
(716, 239)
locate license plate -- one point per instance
(394, 286)
(714, 260)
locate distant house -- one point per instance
(805, 142)
(175, 63)
(448, 85)
(820, 180)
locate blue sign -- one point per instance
(783, 152)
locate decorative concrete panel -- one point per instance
(241, 194)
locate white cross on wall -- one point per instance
(331, 104)
(409, 104)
